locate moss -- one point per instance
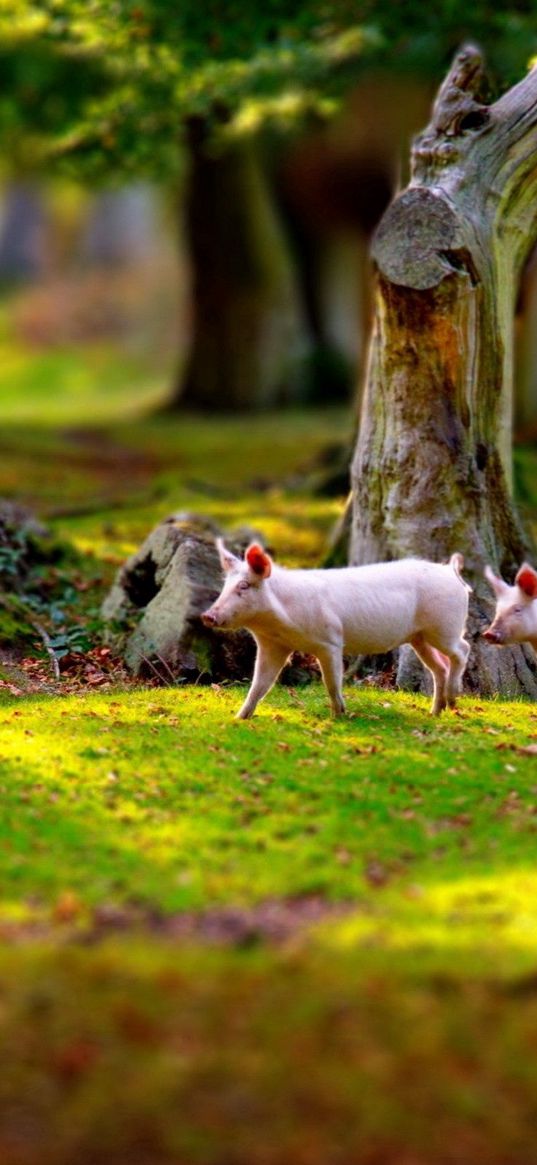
(15, 627)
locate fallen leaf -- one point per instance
(375, 873)
(75, 1058)
(67, 907)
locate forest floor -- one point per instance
(290, 940)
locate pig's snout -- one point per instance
(492, 635)
(208, 619)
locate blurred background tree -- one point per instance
(233, 108)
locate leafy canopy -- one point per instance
(112, 82)
(115, 80)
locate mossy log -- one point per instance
(152, 611)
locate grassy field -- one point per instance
(290, 940)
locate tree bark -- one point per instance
(247, 337)
(432, 467)
(525, 408)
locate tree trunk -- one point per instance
(432, 467)
(24, 233)
(247, 337)
(525, 411)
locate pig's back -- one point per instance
(381, 605)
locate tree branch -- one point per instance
(48, 648)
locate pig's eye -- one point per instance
(243, 586)
(517, 610)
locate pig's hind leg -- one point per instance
(331, 661)
(458, 658)
(268, 665)
(438, 664)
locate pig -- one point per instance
(515, 618)
(358, 609)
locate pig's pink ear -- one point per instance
(498, 585)
(228, 561)
(258, 560)
(526, 579)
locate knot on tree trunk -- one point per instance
(418, 238)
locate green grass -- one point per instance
(400, 1029)
(103, 483)
(162, 798)
(57, 386)
(406, 1023)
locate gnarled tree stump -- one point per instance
(432, 467)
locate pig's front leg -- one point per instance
(331, 661)
(268, 665)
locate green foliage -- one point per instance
(15, 629)
(113, 84)
(422, 37)
(32, 586)
(161, 63)
(42, 87)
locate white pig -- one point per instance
(515, 618)
(359, 609)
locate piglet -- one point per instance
(357, 609)
(515, 618)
